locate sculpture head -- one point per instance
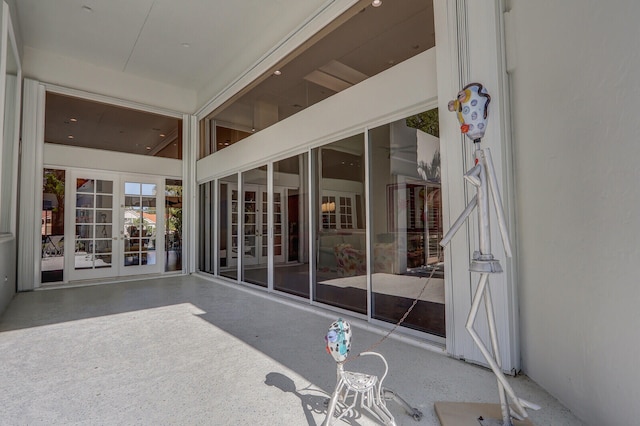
(338, 340)
(471, 107)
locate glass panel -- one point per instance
(104, 216)
(53, 193)
(140, 217)
(291, 225)
(85, 185)
(149, 189)
(104, 187)
(148, 202)
(94, 229)
(84, 216)
(228, 226)
(255, 208)
(146, 134)
(132, 188)
(104, 201)
(207, 234)
(341, 257)
(84, 200)
(407, 223)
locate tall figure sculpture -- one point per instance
(471, 106)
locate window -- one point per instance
(361, 43)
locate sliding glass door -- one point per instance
(406, 217)
(312, 210)
(340, 227)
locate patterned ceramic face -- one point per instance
(471, 107)
(338, 340)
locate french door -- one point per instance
(255, 212)
(113, 226)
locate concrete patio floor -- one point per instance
(184, 350)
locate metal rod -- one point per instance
(497, 202)
(458, 223)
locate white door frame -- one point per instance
(117, 237)
(159, 249)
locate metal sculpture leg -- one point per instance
(363, 388)
(494, 361)
(390, 395)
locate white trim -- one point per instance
(17, 105)
(367, 220)
(189, 193)
(110, 161)
(270, 226)
(31, 177)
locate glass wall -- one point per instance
(255, 222)
(291, 225)
(173, 224)
(52, 265)
(406, 221)
(228, 226)
(339, 218)
(206, 234)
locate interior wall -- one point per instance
(575, 95)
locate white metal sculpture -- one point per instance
(353, 387)
(471, 106)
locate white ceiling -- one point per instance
(146, 38)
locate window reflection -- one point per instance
(407, 222)
(291, 225)
(53, 226)
(341, 260)
(173, 224)
(228, 226)
(255, 218)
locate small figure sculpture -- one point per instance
(352, 386)
(471, 106)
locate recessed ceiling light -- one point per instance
(70, 137)
(87, 8)
(376, 3)
(162, 135)
(73, 120)
(148, 148)
(277, 72)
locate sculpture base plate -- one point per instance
(469, 413)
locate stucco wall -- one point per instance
(575, 101)
(7, 272)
